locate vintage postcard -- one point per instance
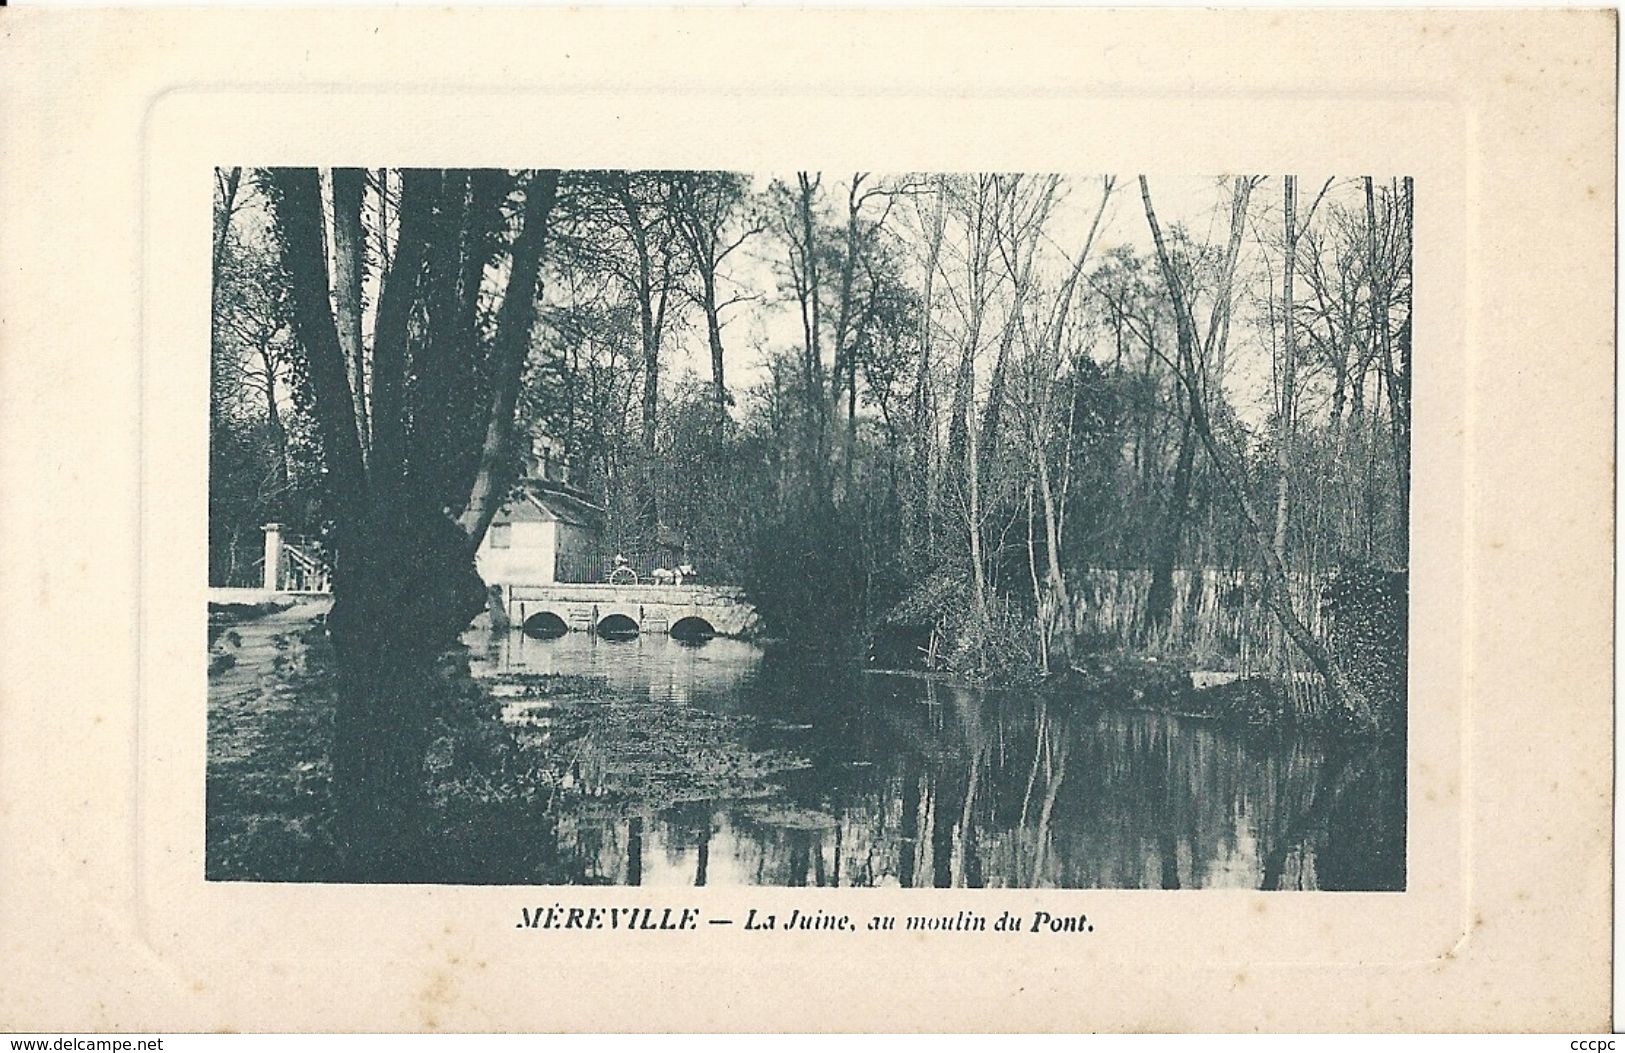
(861, 520)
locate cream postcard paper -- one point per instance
(1477, 898)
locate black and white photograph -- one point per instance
(921, 529)
(557, 520)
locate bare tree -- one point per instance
(1045, 358)
(227, 181)
(226, 184)
(971, 204)
(1277, 594)
(709, 215)
(254, 327)
(1388, 275)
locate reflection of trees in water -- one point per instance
(922, 783)
(1005, 792)
(1351, 835)
(688, 828)
(592, 852)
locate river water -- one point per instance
(728, 763)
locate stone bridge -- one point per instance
(626, 610)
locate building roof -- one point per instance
(551, 505)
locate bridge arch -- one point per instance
(692, 628)
(649, 609)
(617, 626)
(545, 624)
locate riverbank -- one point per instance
(509, 751)
(272, 698)
(268, 730)
(1163, 686)
(1170, 685)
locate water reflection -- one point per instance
(655, 667)
(890, 780)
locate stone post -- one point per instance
(273, 557)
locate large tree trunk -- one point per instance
(296, 200)
(401, 286)
(1400, 403)
(404, 587)
(349, 263)
(514, 322)
(404, 580)
(376, 729)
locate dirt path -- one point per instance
(269, 731)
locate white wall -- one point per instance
(529, 559)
